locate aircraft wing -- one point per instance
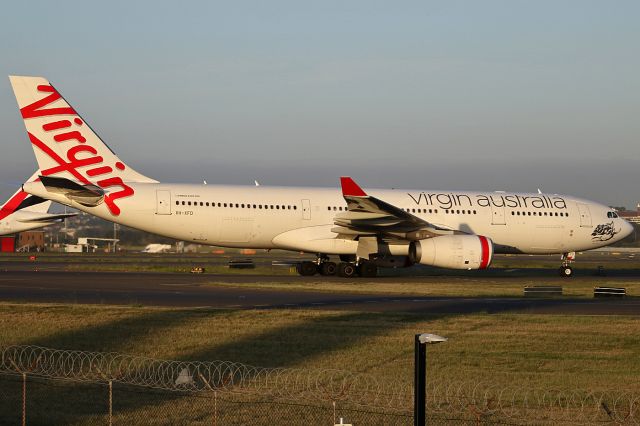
(368, 215)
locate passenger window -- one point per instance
(295, 207)
(183, 203)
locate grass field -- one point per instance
(443, 286)
(564, 352)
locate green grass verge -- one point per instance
(502, 349)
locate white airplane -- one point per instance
(460, 230)
(24, 212)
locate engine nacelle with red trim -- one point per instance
(453, 251)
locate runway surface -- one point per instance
(184, 290)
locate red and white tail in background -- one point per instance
(20, 200)
(66, 146)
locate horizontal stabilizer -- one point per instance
(31, 201)
(86, 194)
(26, 216)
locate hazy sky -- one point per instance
(479, 95)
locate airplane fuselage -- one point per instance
(298, 218)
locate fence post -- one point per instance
(215, 408)
(24, 399)
(334, 412)
(110, 402)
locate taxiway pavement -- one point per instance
(185, 290)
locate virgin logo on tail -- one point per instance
(69, 134)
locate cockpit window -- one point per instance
(612, 215)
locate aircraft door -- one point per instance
(497, 215)
(585, 215)
(306, 209)
(163, 202)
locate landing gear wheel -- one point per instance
(307, 269)
(368, 269)
(328, 268)
(566, 271)
(346, 270)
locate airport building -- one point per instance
(632, 216)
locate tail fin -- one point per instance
(66, 146)
(20, 200)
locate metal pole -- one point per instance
(419, 383)
(24, 399)
(110, 402)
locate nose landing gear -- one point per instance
(566, 270)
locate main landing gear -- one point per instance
(566, 270)
(324, 267)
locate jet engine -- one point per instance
(453, 251)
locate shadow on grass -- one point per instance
(288, 346)
(293, 345)
(118, 335)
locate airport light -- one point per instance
(420, 375)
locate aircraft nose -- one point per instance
(626, 229)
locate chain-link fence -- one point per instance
(47, 386)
